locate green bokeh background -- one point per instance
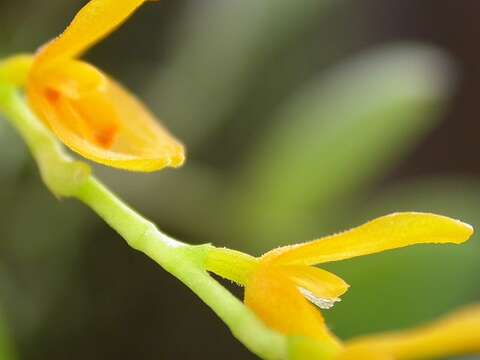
(301, 118)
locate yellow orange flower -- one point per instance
(282, 284)
(88, 111)
(456, 334)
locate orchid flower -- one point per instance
(282, 286)
(87, 110)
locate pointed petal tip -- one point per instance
(178, 160)
(456, 230)
(460, 231)
(467, 229)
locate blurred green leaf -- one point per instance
(191, 199)
(6, 347)
(13, 153)
(40, 259)
(344, 130)
(221, 47)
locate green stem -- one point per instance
(230, 264)
(69, 178)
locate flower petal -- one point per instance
(277, 301)
(74, 79)
(92, 23)
(109, 126)
(316, 283)
(384, 233)
(456, 334)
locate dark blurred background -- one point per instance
(301, 118)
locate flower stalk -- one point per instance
(66, 177)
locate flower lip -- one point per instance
(321, 284)
(324, 304)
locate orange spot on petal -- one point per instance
(102, 121)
